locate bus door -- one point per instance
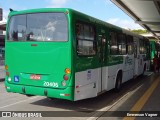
(101, 60)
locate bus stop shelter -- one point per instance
(144, 12)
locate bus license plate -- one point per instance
(35, 77)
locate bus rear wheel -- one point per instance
(118, 83)
(144, 69)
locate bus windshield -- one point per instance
(38, 27)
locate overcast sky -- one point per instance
(101, 9)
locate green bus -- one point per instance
(62, 53)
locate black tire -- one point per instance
(144, 69)
(118, 83)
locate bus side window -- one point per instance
(113, 44)
(130, 45)
(141, 46)
(135, 47)
(147, 46)
(122, 44)
(86, 40)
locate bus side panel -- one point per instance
(111, 78)
(128, 67)
(86, 83)
(86, 68)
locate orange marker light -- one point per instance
(67, 71)
(6, 67)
